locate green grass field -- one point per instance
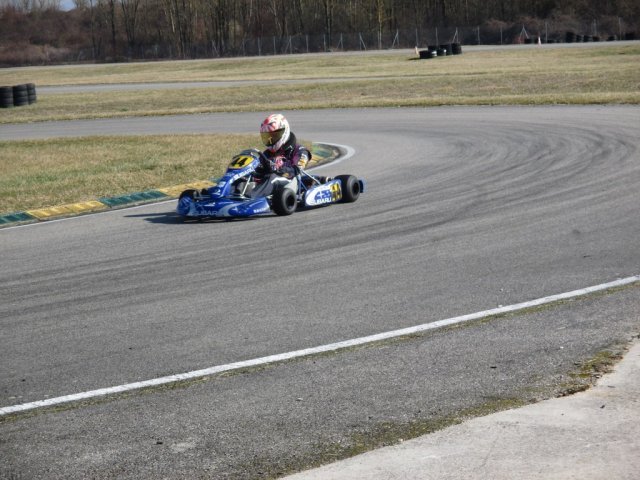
(602, 74)
(67, 170)
(41, 173)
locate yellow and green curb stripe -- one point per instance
(64, 210)
(321, 154)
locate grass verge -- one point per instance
(42, 173)
(600, 74)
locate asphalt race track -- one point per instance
(466, 209)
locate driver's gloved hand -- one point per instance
(277, 163)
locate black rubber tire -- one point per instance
(6, 97)
(350, 188)
(448, 48)
(20, 95)
(283, 200)
(31, 93)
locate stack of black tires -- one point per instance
(434, 51)
(572, 37)
(18, 95)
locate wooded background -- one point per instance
(35, 32)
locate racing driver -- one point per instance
(283, 151)
(281, 157)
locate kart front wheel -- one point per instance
(350, 188)
(283, 200)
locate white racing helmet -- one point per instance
(275, 131)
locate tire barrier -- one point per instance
(18, 95)
(31, 92)
(424, 54)
(572, 37)
(447, 48)
(435, 51)
(6, 97)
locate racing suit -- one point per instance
(291, 155)
(280, 167)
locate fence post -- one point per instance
(546, 32)
(396, 39)
(620, 28)
(362, 44)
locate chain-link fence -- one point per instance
(496, 33)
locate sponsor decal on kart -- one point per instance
(241, 161)
(324, 194)
(336, 191)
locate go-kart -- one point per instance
(249, 188)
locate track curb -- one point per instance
(322, 153)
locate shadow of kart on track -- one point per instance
(246, 190)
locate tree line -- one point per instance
(43, 31)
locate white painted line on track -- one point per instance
(314, 350)
(348, 153)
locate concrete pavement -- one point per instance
(591, 435)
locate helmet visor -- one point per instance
(271, 138)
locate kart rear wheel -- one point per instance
(283, 200)
(350, 188)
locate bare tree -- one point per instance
(329, 6)
(130, 9)
(181, 17)
(218, 19)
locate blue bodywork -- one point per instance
(223, 200)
